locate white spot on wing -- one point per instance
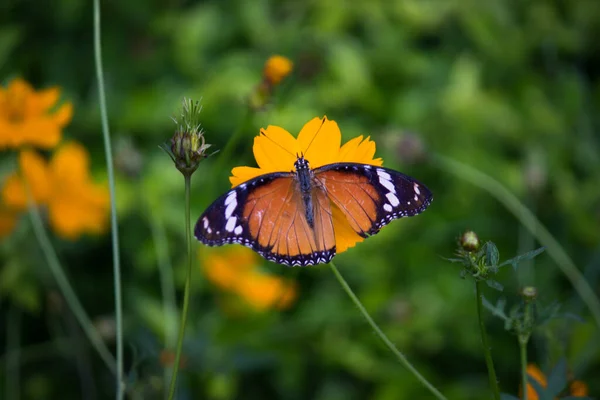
(417, 191)
(387, 184)
(205, 222)
(387, 207)
(231, 197)
(384, 175)
(230, 207)
(416, 198)
(238, 230)
(392, 199)
(230, 226)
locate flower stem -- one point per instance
(484, 340)
(523, 353)
(529, 221)
(403, 360)
(186, 293)
(113, 202)
(65, 286)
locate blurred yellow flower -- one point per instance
(576, 388)
(276, 68)
(75, 204)
(319, 140)
(235, 269)
(31, 118)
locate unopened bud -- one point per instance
(469, 241)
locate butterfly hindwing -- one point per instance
(266, 214)
(370, 196)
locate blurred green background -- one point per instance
(511, 88)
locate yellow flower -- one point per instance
(27, 117)
(576, 388)
(276, 68)
(75, 204)
(235, 270)
(319, 140)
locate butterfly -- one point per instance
(287, 217)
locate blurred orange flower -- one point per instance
(31, 118)
(276, 68)
(75, 204)
(235, 269)
(576, 388)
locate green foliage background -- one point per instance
(510, 88)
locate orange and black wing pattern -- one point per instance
(267, 215)
(371, 197)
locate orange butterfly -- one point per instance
(286, 216)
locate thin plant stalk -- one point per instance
(484, 341)
(65, 286)
(531, 222)
(113, 203)
(186, 292)
(401, 357)
(523, 356)
(13, 345)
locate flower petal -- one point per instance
(70, 164)
(43, 100)
(359, 151)
(275, 150)
(242, 174)
(263, 291)
(345, 236)
(319, 140)
(63, 115)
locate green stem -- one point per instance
(66, 288)
(186, 293)
(484, 341)
(113, 202)
(403, 360)
(523, 353)
(530, 221)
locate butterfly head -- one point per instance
(301, 163)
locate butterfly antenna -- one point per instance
(283, 148)
(316, 133)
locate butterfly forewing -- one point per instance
(370, 197)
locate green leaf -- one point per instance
(527, 256)
(541, 392)
(557, 379)
(498, 309)
(492, 256)
(454, 260)
(495, 285)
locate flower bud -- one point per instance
(188, 146)
(529, 293)
(469, 241)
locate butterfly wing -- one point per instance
(371, 197)
(267, 215)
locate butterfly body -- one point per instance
(288, 217)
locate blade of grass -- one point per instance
(113, 203)
(530, 221)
